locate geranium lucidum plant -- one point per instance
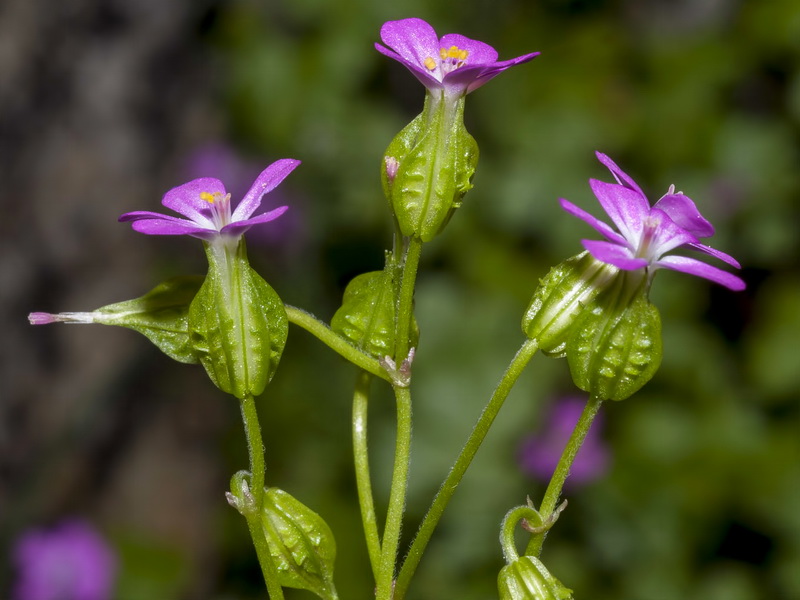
(593, 309)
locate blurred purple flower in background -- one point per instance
(69, 561)
(539, 453)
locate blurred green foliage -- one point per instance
(702, 498)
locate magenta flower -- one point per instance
(207, 207)
(539, 454)
(454, 63)
(70, 561)
(647, 233)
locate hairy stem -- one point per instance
(366, 500)
(255, 448)
(461, 464)
(334, 341)
(561, 473)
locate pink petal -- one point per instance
(621, 176)
(185, 199)
(497, 68)
(601, 227)
(267, 181)
(684, 212)
(427, 78)
(716, 254)
(239, 227)
(684, 264)
(414, 40)
(614, 254)
(627, 208)
(172, 227)
(668, 235)
(478, 53)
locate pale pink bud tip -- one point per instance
(41, 318)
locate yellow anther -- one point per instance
(454, 52)
(429, 63)
(209, 197)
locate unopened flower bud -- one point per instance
(527, 578)
(561, 298)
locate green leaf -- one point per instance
(615, 346)
(161, 315)
(237, 323)
(366, 317)
(301, 544)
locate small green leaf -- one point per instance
(366, 316)
(238, 323)
(527, 578)
(161, 315)
(301, 544)
(615, 346)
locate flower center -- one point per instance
(449, 59)
(220, 207)
(650, 228)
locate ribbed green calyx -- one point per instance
(561, 297)
(237, 322)
(615, 346)
(428, 167)
(300, 542)
(526, 578)
(367, 315)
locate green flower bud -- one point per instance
(237, 323)
(615, 345)
(161, 315)
(526, 578)
(367, 315)
(561, 298)
(301, 544)
(428, 167)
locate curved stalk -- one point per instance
(461, 464)
(561, 473)
(255, 448)
(363, 480)
(334, 341)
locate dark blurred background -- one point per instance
(106, 104)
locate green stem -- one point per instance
(337, 343)
(397, 496)
(255, 448)
(363, 480)
(463, 461)
(405, 299)
(561, 473)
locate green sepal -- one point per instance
(561, 297)
(300, 542)
(367, 315)
(237, 322)
(526, 578)
(161, 315)
(615, 346)
(435, 158)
